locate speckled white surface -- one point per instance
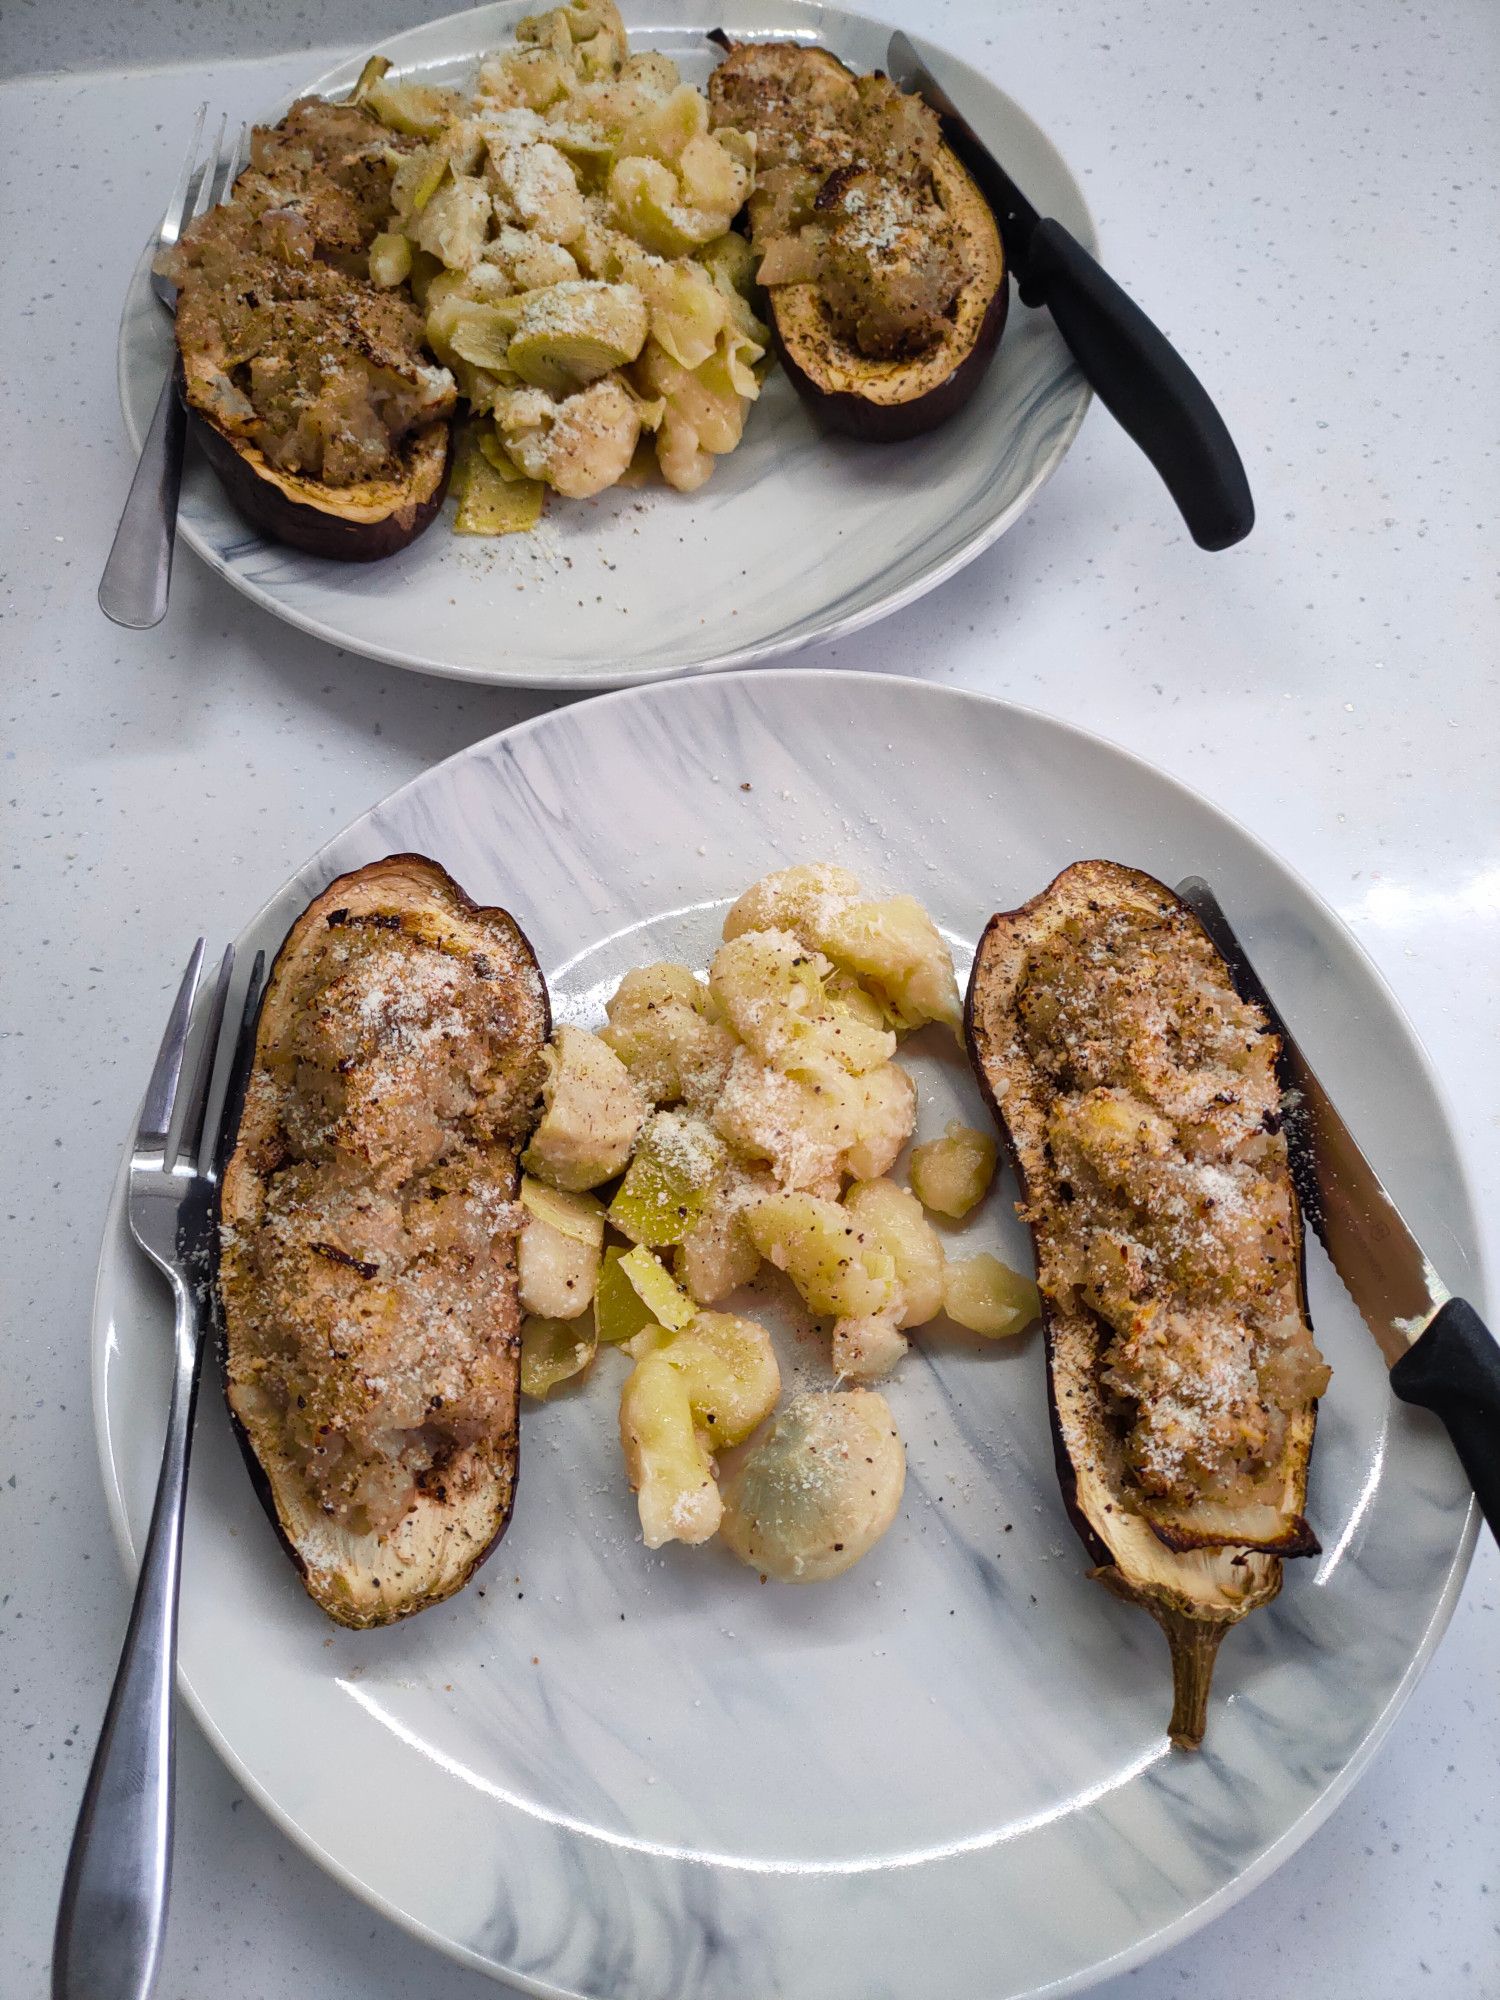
(1306, 197)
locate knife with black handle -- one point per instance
(1129, 363)
(1440, 1353)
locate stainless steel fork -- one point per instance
(114, 1902)
(133, 588)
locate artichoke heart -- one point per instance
(571, 333)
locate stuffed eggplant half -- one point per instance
(311, 394)
(881, 259)
(367, 1244)
(1140, 1100)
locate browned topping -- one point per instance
(845, 194)
(285, 342)
(375, 1281)
(1178, 1224)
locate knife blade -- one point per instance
(1438, 1349)
(1127, 360)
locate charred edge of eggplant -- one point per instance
(849, 414)
(315, 530)
(233, 1113)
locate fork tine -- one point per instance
(161, 1092)
(226, 169)
(239, 1068)
(204, 200)
(190, 1145)
(176, 212)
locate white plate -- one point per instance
(795, 538)
(944, 1774)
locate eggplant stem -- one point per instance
(1194, 1646)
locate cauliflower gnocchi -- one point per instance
(755, 1116)
(988, 1297)
(952, 1175)
(690, 1394)
(567, 235)
(838, 1268)
(592, 1111)
(820, 1490)
(660, 1027)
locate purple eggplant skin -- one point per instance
(321, 527)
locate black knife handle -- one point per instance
(1453, 1369)
(1141, 378)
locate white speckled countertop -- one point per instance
(1306, 196)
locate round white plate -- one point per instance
(795, 538)
(601, 1772)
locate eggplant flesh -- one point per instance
(846, 391)
(461, 1501)
(1197, 1568)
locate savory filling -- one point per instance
(1181, 1233)
(380, 1324)
(286, 344)
(845, 198)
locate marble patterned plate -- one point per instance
(795, 538)
(649, 1777)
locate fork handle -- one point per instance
(133, 588)
(114, 1902)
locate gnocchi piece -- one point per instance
(679, 1161)
(802, 900)
(553, 1351)
(838, 1269)
(730, 1367)
(690, 1393)
(895, 1220)
(580, 444)
(667, 1463)
(867, 1348)
(896, 948)
(952, 1175)
(718, 1255)
(880, 1115)
(772, 991)
(988, 1297)
(592, 1113)
(390, 260)
(559, 1251)
(659, 1027)
(820, 1490)
(800, 1126)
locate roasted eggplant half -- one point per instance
(360, 523)
(366, 1270)
(307, 383)
(1139, 1098)
(881, 259)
